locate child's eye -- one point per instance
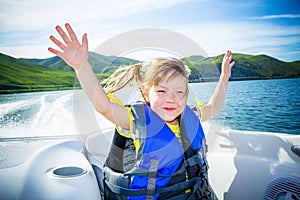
(180, 93)
(161, 91)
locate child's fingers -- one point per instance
(57, 42)
(63, 34)
(231, 64)
(85, 41)
(54, 51)
(71, 32)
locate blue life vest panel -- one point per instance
(160, 168)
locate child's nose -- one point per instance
(171, 96)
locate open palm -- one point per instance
(227, 64)
(72, 52)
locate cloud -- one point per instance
(31, 15)
(291, 16)
(245, 37)
(29, 51)
(215, 37)
(26, 25)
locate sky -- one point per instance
(250, 26)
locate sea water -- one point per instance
(261, 105)
(256, 105)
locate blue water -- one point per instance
(266, 105)
(257, 105)
(263, 105)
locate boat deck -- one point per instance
(242, 165)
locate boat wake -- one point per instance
(33, 114)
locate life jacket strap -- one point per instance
(193, 183)
(152, 180)
(197, 159)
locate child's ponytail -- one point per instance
(123, 76)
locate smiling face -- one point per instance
(168, 98)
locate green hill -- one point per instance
(108, 64)
(26, 75)
(100, 63)
(246, 67)
(19, 75)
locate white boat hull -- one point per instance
(242, 165)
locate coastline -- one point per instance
(44, 88)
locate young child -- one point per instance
(158, 149)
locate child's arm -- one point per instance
(76, 55)
(216, 102)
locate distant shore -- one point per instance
(22, 89)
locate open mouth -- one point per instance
(169, 109)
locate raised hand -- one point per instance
(227, 65)
(71, 51)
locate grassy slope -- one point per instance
(24, 75)
(19, 75)
(247, 67)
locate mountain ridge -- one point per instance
(27, 75)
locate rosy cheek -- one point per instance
(157, 101)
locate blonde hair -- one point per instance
(144, 75)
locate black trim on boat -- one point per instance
(296, 149)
